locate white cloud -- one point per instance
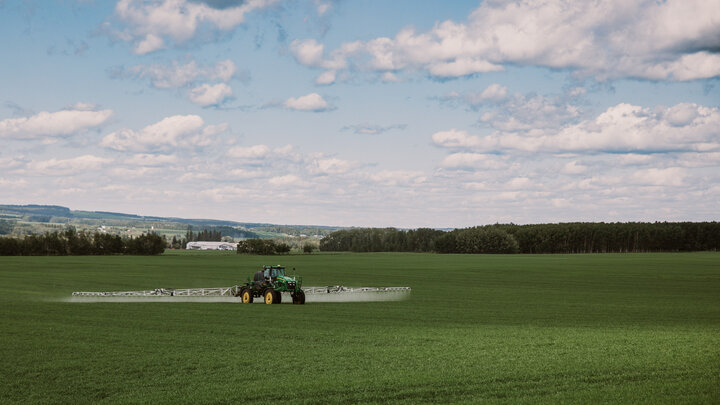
(389, 77)
(694, 159)
(311, 53)
(503, 197)
(323, 6)
(462, 67)
(211, 130)
(10, 163)
(80, 106)
(576, 91)
(398, 177)
(64, 167)
(147, 159)
(287, 180)
(246, 174)
(78, 118)
(223, 70)
(633, 159)
(177, 74)
(136, 172)
(326, 78)
(308, 52)
(372, 129)
(194, 176)
(263, 155)
(331, 166)
(473, 161)
(519, 183)
(561, 202)
(166, 76)
(518, 112)
(149, 24)
(671, 176)
(621, 128)
(184, 131)
(250, 152)
(493, 92)
(9, 184)
(574, 168)
(150, 43)
(626, 163)
(226, 193)
(456, 139)
(207, 95)
(681, 114)
(189, 75)
(527, 112)
(284, 151)
(671, 40)
(310, 102)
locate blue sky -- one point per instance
(364, 113)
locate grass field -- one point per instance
(633, 328)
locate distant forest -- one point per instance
(541, 238)
(204, 236)
(498, 238)
(72, 243)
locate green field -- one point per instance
(632, 328)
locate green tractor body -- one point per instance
(269, 284)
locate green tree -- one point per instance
(282, 248)
(257, 247)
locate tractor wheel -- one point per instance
(270, 296)
(247, 296)
(299, 297)
(278, 297)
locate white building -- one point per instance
(211, 246)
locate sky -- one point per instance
(364, 113)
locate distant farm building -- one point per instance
(211, 246)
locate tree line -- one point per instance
(381, 240)
(616, 237)
(262, 247)
(204, 236)
(211, 235)
(269, 247)
(72, 243)
(541, 238)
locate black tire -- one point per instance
(246, 296)
(270, 296)
(278, 297)
(299, 297)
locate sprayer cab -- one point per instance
(270, 272)
(269, 283)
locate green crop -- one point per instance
(615, 328)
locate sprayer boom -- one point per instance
(269, 284)
(233, 291)
(164, 292)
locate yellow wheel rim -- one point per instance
(246, 297)
(268, 297)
